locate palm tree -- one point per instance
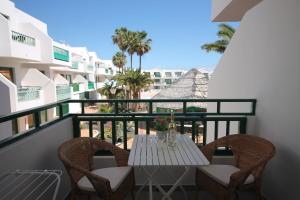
(225, 34)
(132, 44)
(119, 60)
(120, 38)
(143, 46)
(106, 90)
(135, 81)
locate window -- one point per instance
(157, 74)
(168, 74)
(156, 80)
(168, 81)
(178, 74)
(7, 73)
(156, 87)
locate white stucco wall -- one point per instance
(39, 151)
(262, 62)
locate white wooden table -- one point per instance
(147, 154)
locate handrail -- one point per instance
(118, 115)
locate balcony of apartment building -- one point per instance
(260, 63)
(24, 41)
(106, 126)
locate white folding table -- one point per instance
(147, 154)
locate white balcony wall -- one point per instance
(32, 103)
(39, 151)
(262, 62)
(8, 104)
(5, 47)
(34, 77)
(25, 24)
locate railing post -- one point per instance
(91, 128)
(184, 107)
(113, 131)
(193, 130)
(60, 109)
(125, 134)
(204, 132)
(227, 127)
(218, 107)
(216, 129)
(148, 127)
(76, 127)
(136, 127)
(181, 126)
(243, 125)
(82, 107)
(102, 129)
(150, 111)
(37, 119)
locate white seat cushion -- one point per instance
(222, 173)
(115, 175)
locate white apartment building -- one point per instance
(35, 70)
(163, 78)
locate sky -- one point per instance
(177, 28)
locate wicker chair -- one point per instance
(251, 155)
(108, 183)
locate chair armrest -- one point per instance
(238, 178)
(121, 156)
(208, 150)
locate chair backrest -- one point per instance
(249, 150)
(76, 152)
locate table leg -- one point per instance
(177, 184)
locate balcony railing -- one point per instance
(63, 92)
(91, 85)
(89, 67)
(19, 37)
(28, 93)
(117, 122)
(74, 65)
(61, 54)
(76, 87)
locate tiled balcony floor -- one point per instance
(178, 195)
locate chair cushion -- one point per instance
(115, 175)
(222, 173)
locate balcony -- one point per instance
(74, 65)
(76, 87)
(63, 92)
(61, 54)
(117, 125)
(21, 38)
(89, 67)
(28, 93)
(91, 85)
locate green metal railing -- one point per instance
(28, 93)
(76, 87)
(91, 85)
(218, 119)
(19, 37)
(63, 92)
(74, 65)
(61, 54)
